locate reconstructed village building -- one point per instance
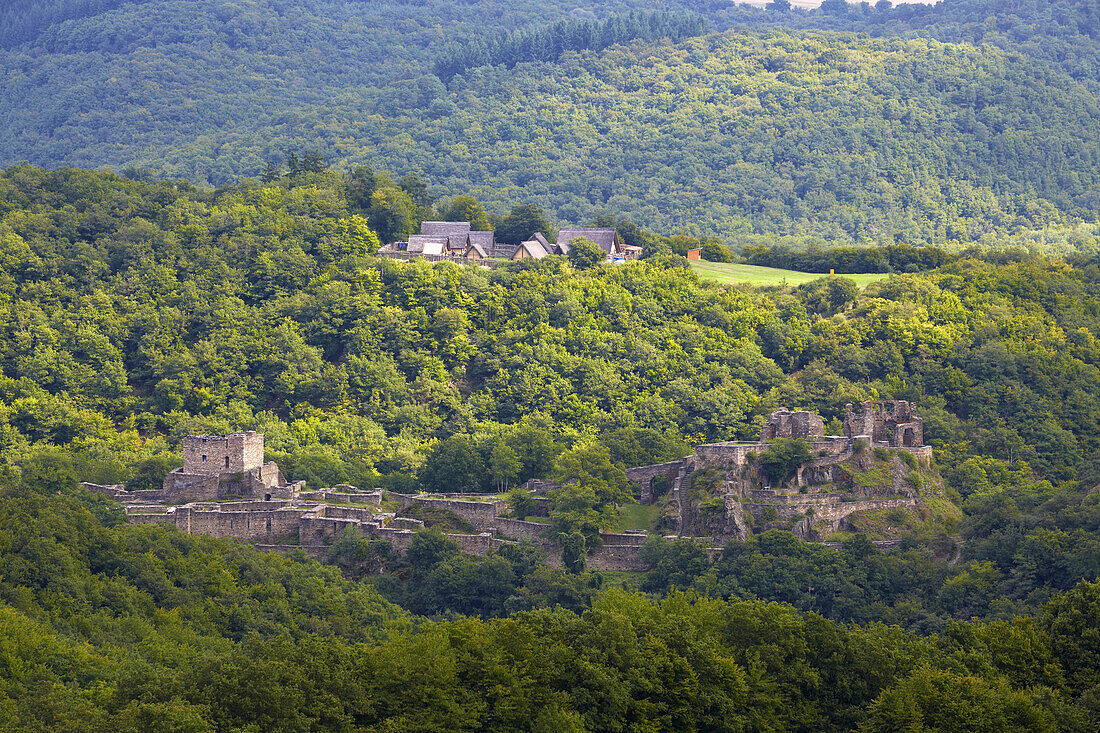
(456, 241)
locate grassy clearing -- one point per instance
(636, 516)
(755, 275)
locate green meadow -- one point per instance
(755, 275)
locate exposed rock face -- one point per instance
(820, 494)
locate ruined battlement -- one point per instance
(212, 455)
(892, 423)
(786, 424)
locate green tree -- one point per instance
(783, 457)
(584, 254)
(453, 466)
(467, 208)
(390, 214)
(504, 465)
(521, 223)
(573, 551)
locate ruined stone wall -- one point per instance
(181, 487)
(630, 540)
(887, 422)
(481, 514)
(315, 553)
(246, 451)
(399, 539)
(345, 512)
(252, 526)
(158, 518)
(518, 530)
(216, 454)
(643, 476)
(829, 513)
(616, 557)
(473, 544)
(729, 457)
(785, 424)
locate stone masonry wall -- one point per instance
(256, 525)
(643, 476)
(517, 530)
(216, 454)
(725, 456)
(481, 514)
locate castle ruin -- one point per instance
(224, 488)
(220, 467)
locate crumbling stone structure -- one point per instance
(888, 423)
(219, 467)
(786, 424)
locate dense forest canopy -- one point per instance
(959, 138)
(138, 312)
(746, 133)
(109, 627)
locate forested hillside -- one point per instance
(769, 132)
(1065, 33)
(120, 628)
(137, 313)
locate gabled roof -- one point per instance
(445, 228)
(606, 237)
(476, 249)
(426, 245)
(456, 242)
(537, 237)
(533, 249)
(486, 239)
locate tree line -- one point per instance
(548, 43)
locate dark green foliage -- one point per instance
(550, 42)
(814, 144)
(453, 466)
(674, 564)
(715, 252)
(521, 223)
(194, 633)
(584, 254)
(891, 258)
(783, 456)
(572, 551)
(150, 474)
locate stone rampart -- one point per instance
(246, 525)
(399, 539)
(473, 544)
(729, 457)
(625, 540)
(152, 518)
(315, 553)
(519, 530)
(616, 557)
(481, 514)
(643, 476)
(345, 512)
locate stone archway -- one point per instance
(907, 437)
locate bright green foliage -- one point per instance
(584, 254)
(144, 628)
